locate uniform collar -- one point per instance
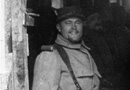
(62, 41)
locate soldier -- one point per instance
(53, 71)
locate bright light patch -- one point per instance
(57, 3)
(2, 39)
(113, 1)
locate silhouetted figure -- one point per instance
(117, 37)
(110, 46)
(99, 49)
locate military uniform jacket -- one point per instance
(51, 73)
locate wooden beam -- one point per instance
(20, 71)
(13, 46)
(3, 73)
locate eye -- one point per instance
(78, 22)
(68, 22)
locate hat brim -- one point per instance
(82, 17)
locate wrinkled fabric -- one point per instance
(51, 73)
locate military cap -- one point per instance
(68, 12)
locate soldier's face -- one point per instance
(71, 29)
(94, 23)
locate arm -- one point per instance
(96, 81)
(46, 72)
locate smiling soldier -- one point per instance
(67, 65)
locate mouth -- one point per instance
(74, 32)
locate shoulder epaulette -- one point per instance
(47, 47)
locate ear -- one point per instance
(58, 27)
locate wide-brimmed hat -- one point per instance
(68, 12)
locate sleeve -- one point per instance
(46, 72)
(96, 82)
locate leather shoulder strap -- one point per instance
(66, 60)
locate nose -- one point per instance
(73, 26)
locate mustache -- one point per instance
(72, 30)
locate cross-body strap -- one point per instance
(66, 60)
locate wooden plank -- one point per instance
(20, 72)
(13, 46)
(5, 57)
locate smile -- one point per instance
(74, 32)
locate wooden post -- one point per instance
(19, 45)
(3, 72)
(13, 46)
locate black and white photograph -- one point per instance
(65, 45)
